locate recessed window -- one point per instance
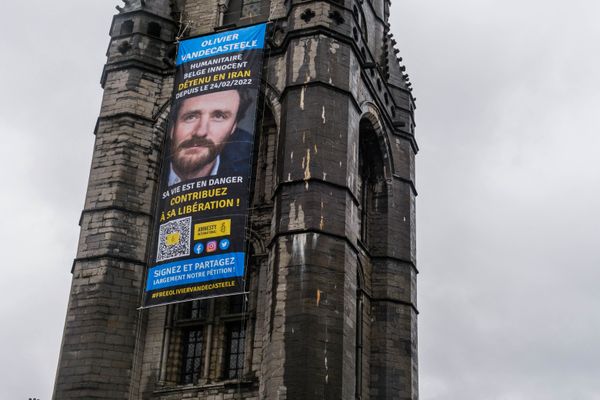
(209, 344)
(193, 342)
(243, 12)
(126, 27)
(193, 317)
(196, 310)
(250, 8)
(236, 337)
(154, 29)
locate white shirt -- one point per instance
(174, 179)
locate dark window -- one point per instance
(154, 29)
(194, 310)
(371, 182)
(250, 8)
(236, 304)
(126, 27)
(236, 337)
(363, 190)
(193, 342)
(193, 318)
(205, 327)
(363, 28)
(243, 12)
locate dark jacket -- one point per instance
(236, 156)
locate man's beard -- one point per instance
(188, 165)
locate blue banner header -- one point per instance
(250, 38)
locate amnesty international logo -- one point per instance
(212, 229)
(174, 239)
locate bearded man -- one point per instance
(206, 139)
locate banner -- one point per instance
(199, 247)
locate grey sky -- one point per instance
(508, 175)
(52, 57)
(508, 97)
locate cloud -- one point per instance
(50, 101)
(508, 180)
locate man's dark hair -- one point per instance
(245, 100)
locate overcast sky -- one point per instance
(508, 105)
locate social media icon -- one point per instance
(198, 248)
(224, 244)
(211, 246)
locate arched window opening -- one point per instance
(246, 11)
(264, 154)
(250, 8)
(208, 342)
(154, 29)
(372, 184)
(126, 27)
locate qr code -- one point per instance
(174, 239)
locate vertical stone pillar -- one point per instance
(335, 68)
(310, 353)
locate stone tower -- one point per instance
(331, 306)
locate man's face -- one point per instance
(202, 127)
